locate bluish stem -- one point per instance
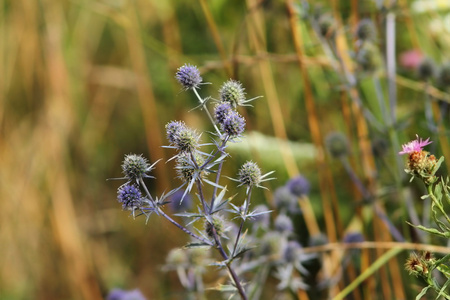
(241, 226)
(202, 103)
(172, 220)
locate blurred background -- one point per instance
(84, 82)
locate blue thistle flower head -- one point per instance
(135, 167)
(221, 110)
(249, 174)
(118, 294)
(283, 224)
(298, 186)
(178, 203)
(130, 196)
(172, 129)
(189, 77)
(183, 138)
(233, 124)
(232, 92)
(291, 251)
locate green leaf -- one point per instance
(423, 292)
(442, 292)
(430, 230)
(196, 245)
(444, 269)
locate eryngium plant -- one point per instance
(423, 165)
(198, 165)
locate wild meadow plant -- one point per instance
(199, 165)
(423, 165)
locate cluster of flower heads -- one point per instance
(230, 121)
(192, 167)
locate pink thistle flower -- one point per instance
(415, 145)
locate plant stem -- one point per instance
(202, 103)
(220, 247)
(160, 211)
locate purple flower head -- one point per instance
(172, 129)
(221, 110)
(298, 186)
(283, 224)
(414, 146)
(118, 294)
(291, 251)
(178, 203)
(233, 124)
(189, 77)
(183, 138)
(130, 196)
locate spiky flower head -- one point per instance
(189, 77)
(283, 224)
(415, 266)
(299, 186)
(187, 169)
(221, 110)
(130, 196)
(217, 225)
(292, 251)
(249, 174)
(365, 30)
(233, 124)
(337, 144)
(135, 167)
(426, 69)
(118, 294)
(183, 138)
(232, 92)
(172, 130)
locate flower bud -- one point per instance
(232, 92)
(135, 167)
(283, 224)
(298, 186)
(337, 144)
(186, 168)
(249, 174)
